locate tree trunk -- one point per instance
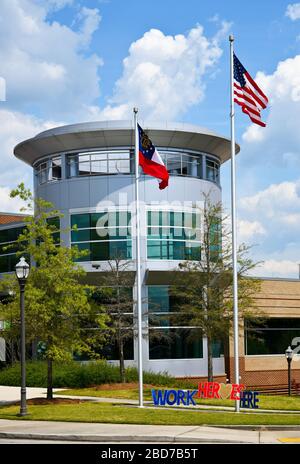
(34, 350)
(122, 362)
(210, 375)
(49, 379)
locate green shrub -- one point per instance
(75, 374)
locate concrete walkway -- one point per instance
(122, 432)
(12, 394)
(104, 433)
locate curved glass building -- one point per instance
(87, 172)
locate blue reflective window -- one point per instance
(173, 235)
(106, 235)
(273, 336)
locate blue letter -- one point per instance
(180, 397)
(189, 397)
(169, 393)
(159, 399)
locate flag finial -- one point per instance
(231, 38)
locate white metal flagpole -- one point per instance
(138, 260)
(233, 219)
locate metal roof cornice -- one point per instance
(110, 134)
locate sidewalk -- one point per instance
(12, 394)
(124, 433)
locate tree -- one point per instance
(57, 309)
(115, 294)
(203, 287)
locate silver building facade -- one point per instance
(87, 172)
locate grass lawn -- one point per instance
(112, 413)
(265, 401)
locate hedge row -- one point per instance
(77, 375)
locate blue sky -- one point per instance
(68, 61)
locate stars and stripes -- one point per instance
(247, 94)
(150, 160)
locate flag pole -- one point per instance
(233, 219)
(138, 259)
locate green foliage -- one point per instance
(57, 309)
(77, 375)
(203, 288)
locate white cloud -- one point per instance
(283, 89)
(16, 127)
(274, 202)
(277, 268)
(45, 63)
(163, 75)
(7, 204)
(271, 218)
(56, 5)
(293, 11)
(89, 19)
(247, 230)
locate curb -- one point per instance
(117, 438)
(260, 428)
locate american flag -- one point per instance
(247, 94)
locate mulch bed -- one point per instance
(44, 401)
(119, 386)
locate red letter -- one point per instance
(202, 390)
(236, 390)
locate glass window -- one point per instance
(119, 163)
(42, 172)
(166, 339)
(175, 343)
(212, 170)
(173, 235)
(49, 170)
(217, 348)
(106, 234)
(104, 219)
(80, 220)
(56, 168)
(72, 166)
(10, 235)
(84, 165)
(81, 235)
(169, 333)
(110, 351)
(54, 223)
(174, 163)
(271, 337)
(98, 163)
(182, 164)
(158, 298)
(8, 248)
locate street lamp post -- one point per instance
(289, 357)
(22, 273)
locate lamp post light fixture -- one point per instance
(289, 357)
(22, 273)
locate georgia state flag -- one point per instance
(150, 160)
